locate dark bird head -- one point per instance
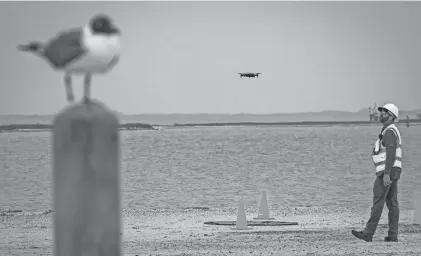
(102, 24)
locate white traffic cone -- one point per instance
(263, 209)
(241, 223)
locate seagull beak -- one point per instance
(115, 30)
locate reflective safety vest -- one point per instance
(379, 151)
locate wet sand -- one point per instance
(182, 232)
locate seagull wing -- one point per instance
(65, 47)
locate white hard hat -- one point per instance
(391, 108)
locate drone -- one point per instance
(249, 75)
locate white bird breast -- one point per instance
(102, 54)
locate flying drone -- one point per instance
(250, 75)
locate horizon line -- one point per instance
(222, 113)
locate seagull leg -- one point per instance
(87, 88)
(69, 89)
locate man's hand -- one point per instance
(386, 180)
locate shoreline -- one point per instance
(48, 127)
(143, 126)
(298, 123)
(182, 232)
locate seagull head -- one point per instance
(102, 24)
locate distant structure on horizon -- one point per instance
(373, 113)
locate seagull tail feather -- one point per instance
(35, 47)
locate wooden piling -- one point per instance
(86, 189)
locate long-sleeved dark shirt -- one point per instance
(390, 141)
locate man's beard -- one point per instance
(383, 119)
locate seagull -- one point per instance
(91, 49)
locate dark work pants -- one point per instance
(380, 195)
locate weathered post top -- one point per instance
(86, 189)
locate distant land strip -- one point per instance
(142, 126)
(42, 127)
(300, 123)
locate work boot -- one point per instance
(361, 235)
(390, 239)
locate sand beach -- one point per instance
(182, 232)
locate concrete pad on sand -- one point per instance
(251, 223)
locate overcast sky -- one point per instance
(183, 57)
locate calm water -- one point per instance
(214, 167)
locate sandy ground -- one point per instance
(182, 232)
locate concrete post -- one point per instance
(86, 191)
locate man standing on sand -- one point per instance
(387, 158)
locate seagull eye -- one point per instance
(98, 24)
